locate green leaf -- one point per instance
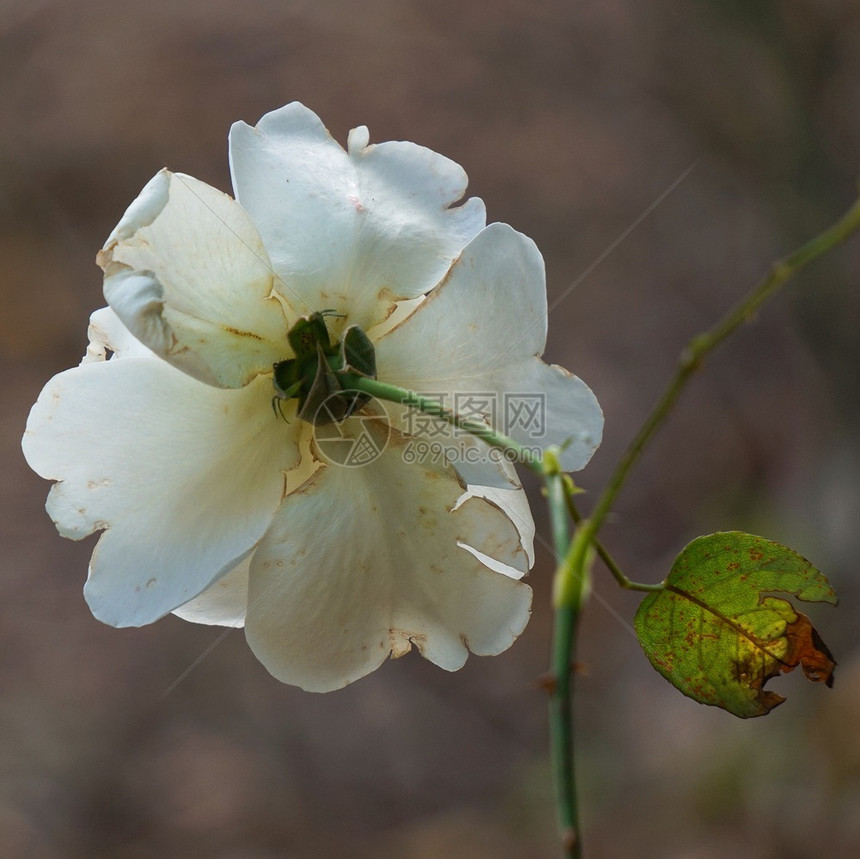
(717, 633)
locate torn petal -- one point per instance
(109, 337)
(364, 562)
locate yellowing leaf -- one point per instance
(717, 633)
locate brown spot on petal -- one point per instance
(239, 333)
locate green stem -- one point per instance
(566, 615)
(700, 346)
(394, 394)
(561, 729)
(569, 589)
(603, 554)
(571, 580)
(556, 495)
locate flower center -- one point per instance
(312, 377)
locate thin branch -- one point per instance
(561, 729)
(602, 553)
(700, 346)
(394, 394)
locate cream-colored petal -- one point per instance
(432, 441)
(476, 341)
(350, 230)
(223, 603)
(110, 338)
(183, 478)
(513, 502)
(364, 562)
(188, 275)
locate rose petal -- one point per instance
(187, 273)
(515, 505)
(353, 231)
(109, 337)
(223, 603)
(492, 355)
(364, 562)
(183, 477)
(434, 441)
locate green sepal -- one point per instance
(309, 332)
(357, 354)
(318, 406)
(311, 377)
(287, 378)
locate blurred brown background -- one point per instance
(571, 120)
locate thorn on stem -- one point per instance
(690, 359)
(549, 682)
